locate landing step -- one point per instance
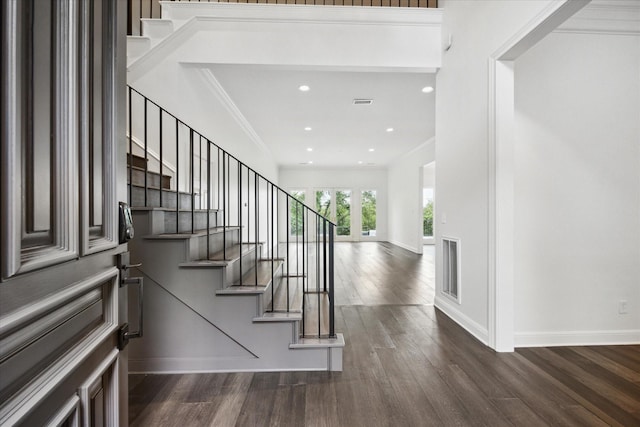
(278, 317)
(302, 343)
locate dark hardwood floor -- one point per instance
(405, 364)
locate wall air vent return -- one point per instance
(451, 267)
(362, 101)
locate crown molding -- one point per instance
(225, 100)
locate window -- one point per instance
(323, 203)
(427, 212)
(296, 211)
(343, 212)
(369, 213)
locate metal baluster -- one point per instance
(318, 273)
(271, 251)
(224, 207)
(161, 159)
(332, 329)
(304, 278)
(240, 216)
(324, 253)
(177, 175)
(208, 199)
(288, 260)
(130, 148)
(193, 193)
(257, 219)
(146, 166)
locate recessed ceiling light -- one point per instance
(372, 150)
(359, 162)
(310, 162)
(309, 149)
(307, 128)
(427, 89)
(304, 88)
(389, 129)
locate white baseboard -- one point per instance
(407, 247)
(470, 325)
(572, 338)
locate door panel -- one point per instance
(63, 80)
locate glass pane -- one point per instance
(343, 212)
(427, 212)
(323, 203)
(296, 212)
(369, 213)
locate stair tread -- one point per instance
(184, 236)
(279, 317)
(264, 274)
(160, 208)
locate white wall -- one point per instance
(355, 179)
(477, 29)
(577, 190)
(405, 197)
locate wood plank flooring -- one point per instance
(405, 364)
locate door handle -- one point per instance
(124, 334)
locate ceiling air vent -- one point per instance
(362, 101)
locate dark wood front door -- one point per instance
(63, 139)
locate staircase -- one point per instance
(229, 284)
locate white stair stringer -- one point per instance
(189, 327)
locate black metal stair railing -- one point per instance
(180, 170)
(144, 9)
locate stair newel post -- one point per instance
(240, 216)
(177, 175)
(192, 154)
(146, 156)
(332, 329)
(130, 148)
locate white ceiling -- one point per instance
(342, 133)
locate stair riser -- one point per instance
(200, 221)
(266, 297)
(168, 198)
(153, 179)
(216, 243)
(232, 271)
